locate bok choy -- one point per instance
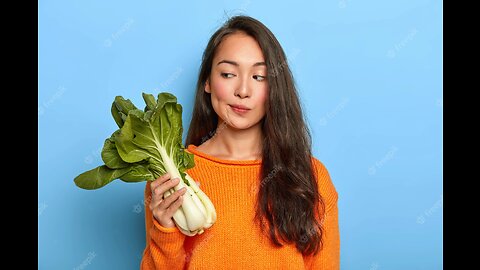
(148, 144)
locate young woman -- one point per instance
(276, 204)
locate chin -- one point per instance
(241, 125)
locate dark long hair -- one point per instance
(288, 203)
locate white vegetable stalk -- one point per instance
(197, 211)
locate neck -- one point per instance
(240, 144)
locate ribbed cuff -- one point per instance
(170, 240)
(164, 229)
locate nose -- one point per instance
(242, 91)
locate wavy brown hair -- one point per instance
(288, 203)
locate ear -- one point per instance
(207, 86)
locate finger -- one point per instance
(174, 206)
(160, 181)
(158, 199)
(154, 204)
(168, 185)
(168, 201)
(160, 190)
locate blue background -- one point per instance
(369, 74)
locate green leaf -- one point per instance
(150, 101)
(120, 109)
(137, 174)
(188, 160)
(136, 140)
(99, 177)
(110, 155)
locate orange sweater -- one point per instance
(234, 241)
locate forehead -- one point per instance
(239, 47)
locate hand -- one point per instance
(163, 209)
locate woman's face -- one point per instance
(238, 78)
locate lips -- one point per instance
(240, 109)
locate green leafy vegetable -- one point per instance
(148, 144)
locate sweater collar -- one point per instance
(193, 149)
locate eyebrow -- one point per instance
(236, 64)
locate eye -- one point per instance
(227, 75)
(259, 77)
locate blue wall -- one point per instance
(370, 77)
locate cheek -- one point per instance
(263, 95)
(220, 89)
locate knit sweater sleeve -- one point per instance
(328, 258)
(164, 246)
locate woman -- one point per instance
(276, 204)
